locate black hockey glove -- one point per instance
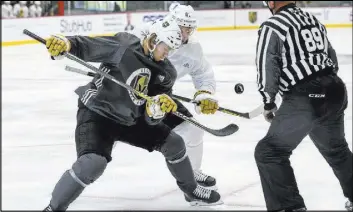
(269, 111)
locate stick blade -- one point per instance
(226, 131)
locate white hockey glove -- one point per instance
(269, 111)
(207, 104)
(160, 105)
(57, 45)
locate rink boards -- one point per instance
(108, 24)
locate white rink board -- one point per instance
(67, 25)
(11, 29)
(324, 15)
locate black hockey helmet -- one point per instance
(265, 3)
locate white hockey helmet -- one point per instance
(37, 3)
(184, 15)
(7, 2)
(23, 2)
(166, 31)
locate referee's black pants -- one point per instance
(298, 116)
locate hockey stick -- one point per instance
(228, 130)
(252, 114)
(256, 112)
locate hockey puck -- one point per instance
(239, 88)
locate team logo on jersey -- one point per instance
(139, 80)
(252, 17)
(329, 62)
(165, 24)
(161, 78)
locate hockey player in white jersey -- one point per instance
(35, 10)
(6, 10)
(189, 59)
(20, 9)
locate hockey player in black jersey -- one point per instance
(108, 112)
(295, 58)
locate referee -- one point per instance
(295, 59)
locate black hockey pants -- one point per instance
(303, 113)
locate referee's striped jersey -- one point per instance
(291, 46)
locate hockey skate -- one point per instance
(48, 208)
(202, 196)
(349, 205)
(205, 180)
(299, 209)
(294, 210)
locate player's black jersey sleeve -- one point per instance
(97, 49)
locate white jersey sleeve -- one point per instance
(16, 8)
(190, 60)
(24, 11)
(39, 11)
(20, 12)
(35, 11)
(32, 11)
(202, 74)
(6, 11)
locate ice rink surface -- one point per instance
(39, 117)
